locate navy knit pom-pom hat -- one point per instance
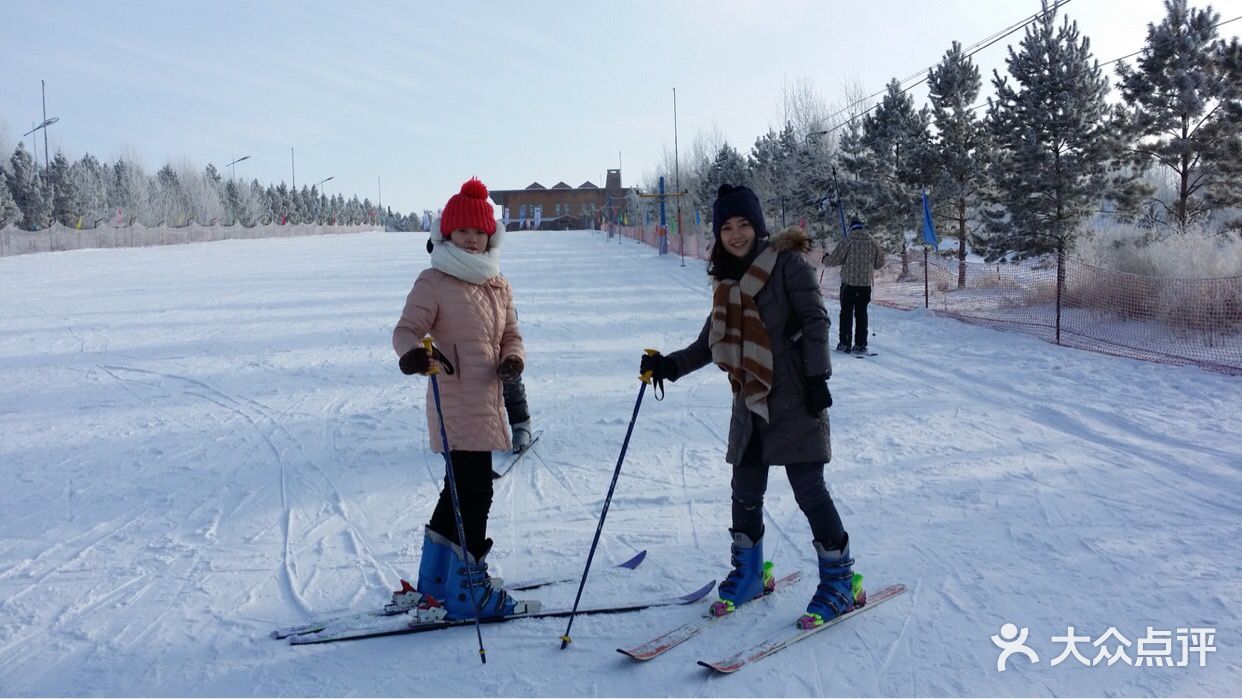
(737, 200)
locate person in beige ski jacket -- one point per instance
(858, 256)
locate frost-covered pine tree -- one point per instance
(814, 182)
(258, 204)
(890, 167)
(280, 205)
(65, 199)
(273, 204)
(353, 211)
(809, 165)
(29, 191)
(849, 189)
(129, 191)
(306, 205)
(958, 157)
(171, 198)
(768, 177)
(321, 208)
(9, 213)
(90, 184)
(1183, 108)
(1054, 148)
(232, 202)
(728, 166)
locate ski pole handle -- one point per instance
(645, 377)
(433, 367)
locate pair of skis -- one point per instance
(379, 622)
(780, 640)
(405, 624)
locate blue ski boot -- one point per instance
(751, 577)
(469, 583)
(840, 588)
(432, 577)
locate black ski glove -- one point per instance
(818, 398)
(662, 368)
(416, 361)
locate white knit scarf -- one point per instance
(456, 262)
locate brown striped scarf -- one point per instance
(738, 339)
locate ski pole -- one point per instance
(836, 189)
(645, 378)
(452, 481)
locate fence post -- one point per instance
(1060, 282)
(925, 294)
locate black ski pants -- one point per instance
(750, 482)
(854, 300)
(473, 470)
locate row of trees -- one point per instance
(88, 193)
(1049, 154)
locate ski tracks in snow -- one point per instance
(297, 469)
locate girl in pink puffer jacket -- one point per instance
(467, 308)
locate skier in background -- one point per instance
(769, 331)
(859, 256)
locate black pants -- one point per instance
(854, 300)
(750, 482)
(473, 470)
(515, 401)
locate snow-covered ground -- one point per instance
(200, 443)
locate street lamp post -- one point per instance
(34, 140)
(43, 86)
(234, 165)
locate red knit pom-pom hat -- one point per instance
(469, 208)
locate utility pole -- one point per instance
(293, 170)
(44, 84)
(681, 237)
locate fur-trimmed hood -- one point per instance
(792, 239)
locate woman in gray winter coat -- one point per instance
(768, 331)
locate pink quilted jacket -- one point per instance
(475, 326)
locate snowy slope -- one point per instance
(203, 442)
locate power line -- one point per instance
(983, 104)
(986, 41)
(991, 41)
(1142, 50)
(971, 50)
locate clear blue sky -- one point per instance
(424, 95)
